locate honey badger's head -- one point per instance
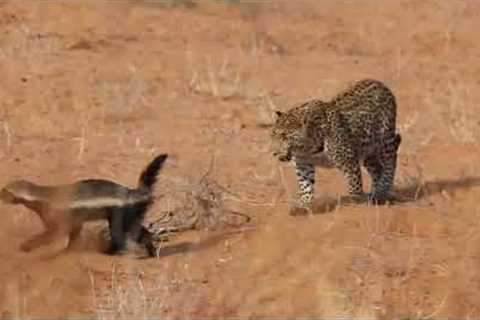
(16, 191)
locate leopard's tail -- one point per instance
(148, 177)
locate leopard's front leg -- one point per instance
(306, 182)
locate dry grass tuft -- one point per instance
(202, 207)
(125, 295)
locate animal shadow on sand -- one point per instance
(164, 251)
(406, 194)
(189, 246)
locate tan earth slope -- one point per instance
(96, 88)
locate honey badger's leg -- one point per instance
(117, 232)
(133, 218)
(145, 237)
(37, 240)
(56, 225)
(142, 236)
(74, 232)
(48, 224)
(126, 222)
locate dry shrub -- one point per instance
(202, 206)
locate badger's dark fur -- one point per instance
(64, 208)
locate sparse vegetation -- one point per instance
(92, 89)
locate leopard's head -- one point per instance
(300, 132)
(287, 136)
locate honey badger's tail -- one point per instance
(148, 177)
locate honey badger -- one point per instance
(64, 208)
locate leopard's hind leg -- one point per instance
(382, 169)
(353, 178)
(375, 170)
(390, 164)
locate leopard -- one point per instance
(356, 128)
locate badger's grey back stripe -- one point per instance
(105, 202)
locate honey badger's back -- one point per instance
(86, 194)
(95, 199)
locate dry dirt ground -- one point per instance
(96, 88)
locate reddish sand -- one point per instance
(95, 89)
